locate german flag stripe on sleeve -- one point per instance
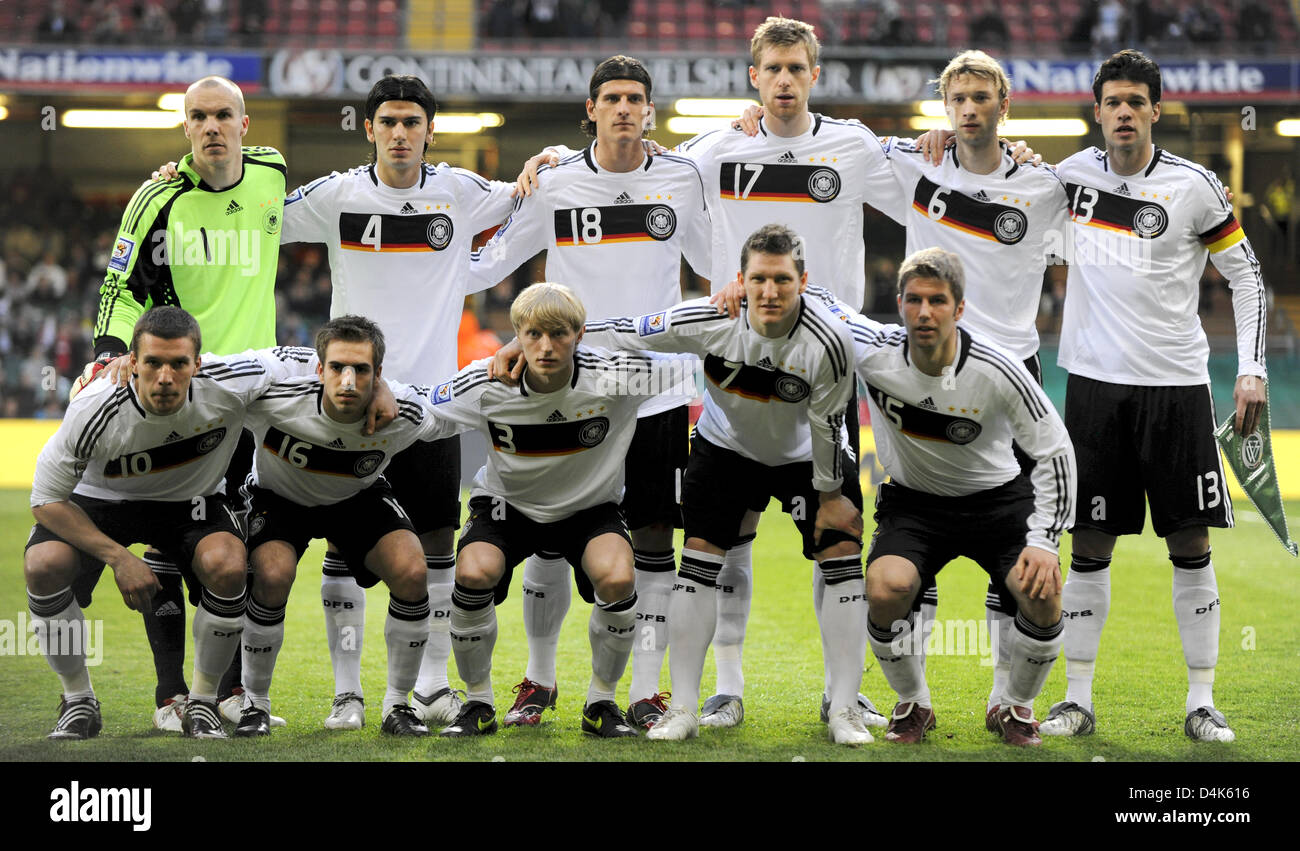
(1223, 237)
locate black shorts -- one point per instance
(171, 527)
(425, 477)
(987, 527)
(494, 521)
(721, 485)
(653, 470)
(354, 525)
(1154, 441)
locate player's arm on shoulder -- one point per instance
(134, 263)
(456, 400)
(382, 410)
(678, 329)
(514, 243)
(308, 212)
(527, 181)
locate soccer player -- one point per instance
(615, 225)
(552, 483)
(399, 233)
(1138, 401)
(778, 380)
(316, 475)
(207, 241)
(1005, 221)
(945, 407)
(146, 462)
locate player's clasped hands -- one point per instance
(838, 512)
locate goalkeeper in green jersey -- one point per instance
(207, 241)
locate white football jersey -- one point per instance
(553, 454)
(305, 456)
(773, 400)
(814, 184)
(110, 447)
(951, 435)
(1140, 244)
(1002, 225)
(615, 238)
(400, 257)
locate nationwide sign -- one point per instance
(565, 77)
(1203, 80)
(28, 69)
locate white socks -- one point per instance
(1033, 650)
(692, 617)
(735, 591)
(473, 637)
(344, 602)
(547, 595)
(218, 625)
(610, 632)
(1085, 603)
(438, 580)
(406, 632)
(1196, 606)
(60, 629)
(903, 668)
(654, 586)
(843, 620)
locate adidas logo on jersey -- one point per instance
(407, 208)
(623, 198)
(766, 363)
(556, 417)
(980, 196)
(1122, 189)
(233, 207)
(174, 436)
(787, 157)
(928, 404)
(337, 443)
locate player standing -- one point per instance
(1005, 221)
(1138, 402)
(207, 241)
(615, 225)
(146, 462)
(399, 232)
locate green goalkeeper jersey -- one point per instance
(213, 253)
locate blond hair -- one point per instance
(548, 307)
(783, 32)
(979, 64)
(934, 263)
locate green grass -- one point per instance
(1139, 691)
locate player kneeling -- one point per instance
(145, 463)
(553, 483)
(316, 475)
(945, 408)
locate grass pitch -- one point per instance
(1139, 690)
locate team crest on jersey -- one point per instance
(367, 464)
(210, 441)
(660, 222)
(1150, 221)
(791, 388)
(593, 432)
(441, 393)
(1252, 451)
(824, 185)
(271, 221)
(439, 232)
(1010, 227)
(652, 323)
(962, 432)
(121, 256)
